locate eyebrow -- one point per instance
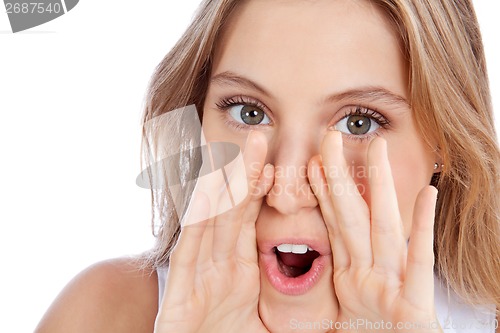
(363, 94)
(370, 94)
(230, 78)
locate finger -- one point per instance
(388, 241)
(228, 225)
(226, 180)
(247, 242)
(351, 211)
(264, 184)
(183, 260)
(211, 182)
(319, 186)
(419, 282)
(206, 246)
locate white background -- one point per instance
(71, 93)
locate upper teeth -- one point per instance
(294, 248)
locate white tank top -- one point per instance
(453, 315)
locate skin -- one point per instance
(265, 42)
(299, 52)
(109, 296)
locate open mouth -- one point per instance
(294, 267)
(294, 260)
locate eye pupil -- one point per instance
(251, 115)
(358, 124)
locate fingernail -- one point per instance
(338, 136)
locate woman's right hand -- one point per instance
(213, 279)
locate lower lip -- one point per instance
(292, 285)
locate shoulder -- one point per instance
(111, 296)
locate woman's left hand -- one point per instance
(382, 284)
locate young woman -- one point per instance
(372, 171)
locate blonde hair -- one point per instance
(451, 105)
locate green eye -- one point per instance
(248, 114)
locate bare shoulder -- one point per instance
(111, 296)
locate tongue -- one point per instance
(294, 265)
(298, 260)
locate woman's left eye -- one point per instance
(357, 124)
(248, 114)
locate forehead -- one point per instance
(317, 42)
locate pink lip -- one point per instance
(289, 285)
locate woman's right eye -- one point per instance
(248, 114)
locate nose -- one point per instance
(291, 191)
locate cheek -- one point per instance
(410, 171)
(411, 174)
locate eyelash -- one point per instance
(225, 103)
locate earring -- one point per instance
(437, 165)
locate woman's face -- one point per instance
(295, 70)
